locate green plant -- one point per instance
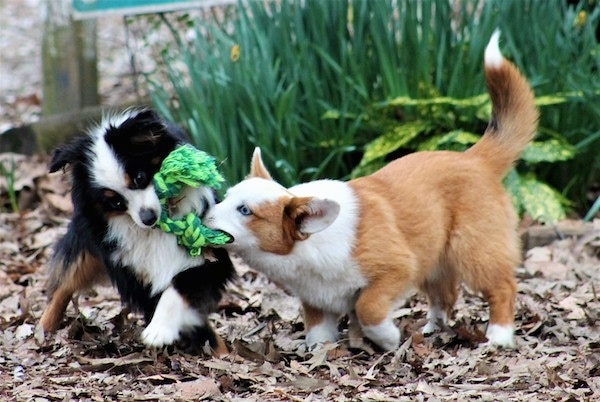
(265, 80)
(529, 194)
(9, 179)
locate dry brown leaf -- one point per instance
(200, 388)
(305, 384)
(129, 360)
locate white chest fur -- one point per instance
(153, 254)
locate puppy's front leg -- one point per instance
(321, 326)
(173, 314)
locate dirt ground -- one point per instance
(96, 355)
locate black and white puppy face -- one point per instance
(116, 162)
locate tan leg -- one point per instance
(53, 313)
(488, 267)
(501, 299)
(220, 349)
(62, 284)
(442, 291)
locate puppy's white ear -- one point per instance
(257, 167)
(310, 215)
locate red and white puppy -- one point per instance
(429, 220)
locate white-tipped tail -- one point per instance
(493, 57)
(514, 115)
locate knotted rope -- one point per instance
(187, 166)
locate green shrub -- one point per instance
(327, 88)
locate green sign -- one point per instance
(94, 8)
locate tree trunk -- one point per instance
(70, 77)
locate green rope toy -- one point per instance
(187, 166)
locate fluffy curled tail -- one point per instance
(514, 115)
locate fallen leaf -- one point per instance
(24, 331)
(200, 388)
(129, 360)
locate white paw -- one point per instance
(172, 315)
(501, 335)
(157, 335)
(386, 335)
(430, 328)
(321, 333)
(436, 319)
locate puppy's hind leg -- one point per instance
(488, 268)
(501, 299)
(442, 291)
(66, 279)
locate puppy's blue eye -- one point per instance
(244, 210)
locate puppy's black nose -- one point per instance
(148, 216)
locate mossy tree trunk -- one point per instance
(70, 77)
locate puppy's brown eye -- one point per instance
(244, 210)
(116, 204)
(113, 201)
(140, 179)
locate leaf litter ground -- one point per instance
(96, 355)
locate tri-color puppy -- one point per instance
(427, 221)
(112, 232)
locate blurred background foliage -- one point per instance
(335, 89)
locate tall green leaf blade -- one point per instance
(593, 210)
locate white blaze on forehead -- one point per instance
(255, 191)
(106, 169)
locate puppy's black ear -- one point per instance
(64, 155)
(177, 132)
(149, 117)
(60, 159)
